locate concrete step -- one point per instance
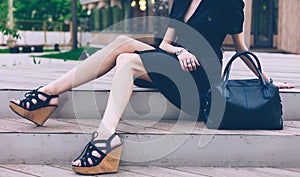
(144, 104)
(154, 143)
(149, 171)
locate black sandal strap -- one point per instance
(34, 95)
(88, 155)
(91, 146)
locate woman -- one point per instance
(211, 18)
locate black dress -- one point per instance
(203, 35)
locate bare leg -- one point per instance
(95, 66)
(128, 67)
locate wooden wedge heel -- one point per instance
(33, 108)
(107, 162)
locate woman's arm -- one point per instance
(239, 43)
(166, 43)
(187, 60)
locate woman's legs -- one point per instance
(128, 67)
(95, 66)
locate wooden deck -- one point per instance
(19, 71)
(248, 149)
(132, 126)
(148, 171)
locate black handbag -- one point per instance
(247, 104)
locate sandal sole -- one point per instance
(38, 116)
(110, 164)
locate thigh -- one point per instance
(134, 61)
(125, 44)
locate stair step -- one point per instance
(155, 143)
(144, 104)
(149, 171)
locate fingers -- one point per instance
(189, 64)
(284, 85)
(194, 66)
(182, 65)
(288, 86)
(197, 62)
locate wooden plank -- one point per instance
(129, 128)
(13, 126)
(274, 172)
(137, 126)
(239, 172)
(121, 172)
(293, 169)
(41, 170)
(200, 128)
(83, 122)
(289, 37)
(12, 173)
(51, 126)
(295, 124)
(158, 171)
(280, 66)
(214, 172)
(146, 171)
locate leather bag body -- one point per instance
(249, 104)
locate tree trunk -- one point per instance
(74, 24)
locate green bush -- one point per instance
(6, 31)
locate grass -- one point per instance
(70, 55)
(4, 50)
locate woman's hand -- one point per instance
(188, 61)
(283, 85)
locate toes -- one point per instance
(27, 105)
(41, 97)
(96, 154)
(76, 163)
(15, 101)
(90, 161)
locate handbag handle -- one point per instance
(257, 68)
(246, 54)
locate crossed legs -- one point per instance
(119, 53)
(96, 65)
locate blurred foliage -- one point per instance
(3, 10)
(30, 14)
(50, 10)
(6, 31)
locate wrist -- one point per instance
(179, 51)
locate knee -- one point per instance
(122, 39)
(126, 60)
(123, 59)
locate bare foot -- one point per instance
(53, 101)
(115, 142)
